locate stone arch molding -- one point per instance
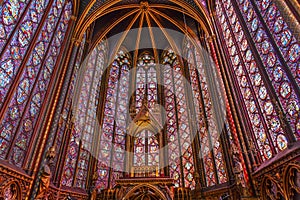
(157, 191)
(11, 190)
(282, 183)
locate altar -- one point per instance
(145, 177)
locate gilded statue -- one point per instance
(44, 183)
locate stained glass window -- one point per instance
(12, 56)
(67, 109)
(211, 150)
(275, 66)
(140, 87)
(177, 122)
(86, 123)
(146, 74)
(146, 149)
(68, 172)
(283, 37)
(113, 133)
(10, 12)
(36, 69)
(268, 133)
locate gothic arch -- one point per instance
(271, 189)
(136, 188)
(11, 190)
(291, 184)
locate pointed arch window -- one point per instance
(146, 74)
(113, 134)
(86, 124)
(181, 162)
(211, 152)
(69, 166)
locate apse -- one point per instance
(148, 64)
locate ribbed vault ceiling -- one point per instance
(99, 3)
(142, 16)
